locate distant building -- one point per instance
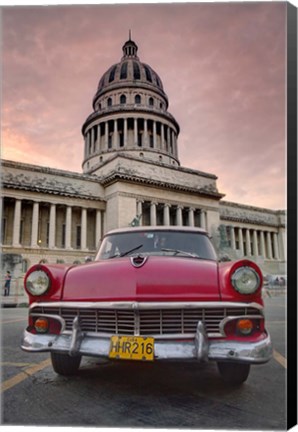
(131, 175)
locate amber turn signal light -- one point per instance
(41, 325)
(245, 326)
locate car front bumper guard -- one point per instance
(199, 349)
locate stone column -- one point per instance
(191, 219)
(125, 133)
(17, 223)
(255, 243)
(154, 134)
(262, 245)
(247, 238)
(146, 144)
(98, 137)
(92, 139)
(135, 131)
(166, 214)
(275, 246)
(282, 244)
(240, 238)
(115, 140)
(162, 136)
(52, 229)
(140, 210)
(84, 229)
(172, 142)
(153, 213)
(98, 232)
(269, 247)
(203, 221)
(179, 216)
(106, 135)
(233, 240)
(68, 224)
(34, 226)
(168, 138)
(88, 143)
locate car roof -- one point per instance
(173, 228)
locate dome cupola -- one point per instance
(130, 115)
(130, 49)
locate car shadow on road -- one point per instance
(158, 377)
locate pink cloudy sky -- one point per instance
(222, 67)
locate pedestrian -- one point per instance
(7, 283)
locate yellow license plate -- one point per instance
(132, 348)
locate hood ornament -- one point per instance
(138, 260)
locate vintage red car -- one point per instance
(152, 294)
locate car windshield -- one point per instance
(160, 242)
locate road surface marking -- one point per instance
(11, 382)
(280, 359)
(17, 364)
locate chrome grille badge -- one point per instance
(138, 260)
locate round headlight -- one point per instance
(37, 282)
(245, 280)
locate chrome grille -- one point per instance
(145, 321)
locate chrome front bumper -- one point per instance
(198, 349)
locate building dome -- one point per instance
(130, 115)
(130, 71)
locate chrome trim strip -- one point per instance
(145, 305)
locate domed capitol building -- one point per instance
(131, 176)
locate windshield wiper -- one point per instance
(126, 252)
(182, 252)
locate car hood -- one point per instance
(156, 279)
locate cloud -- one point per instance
(222, 66)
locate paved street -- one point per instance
(141, 395)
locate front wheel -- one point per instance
(63, 364)
(234, 373)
